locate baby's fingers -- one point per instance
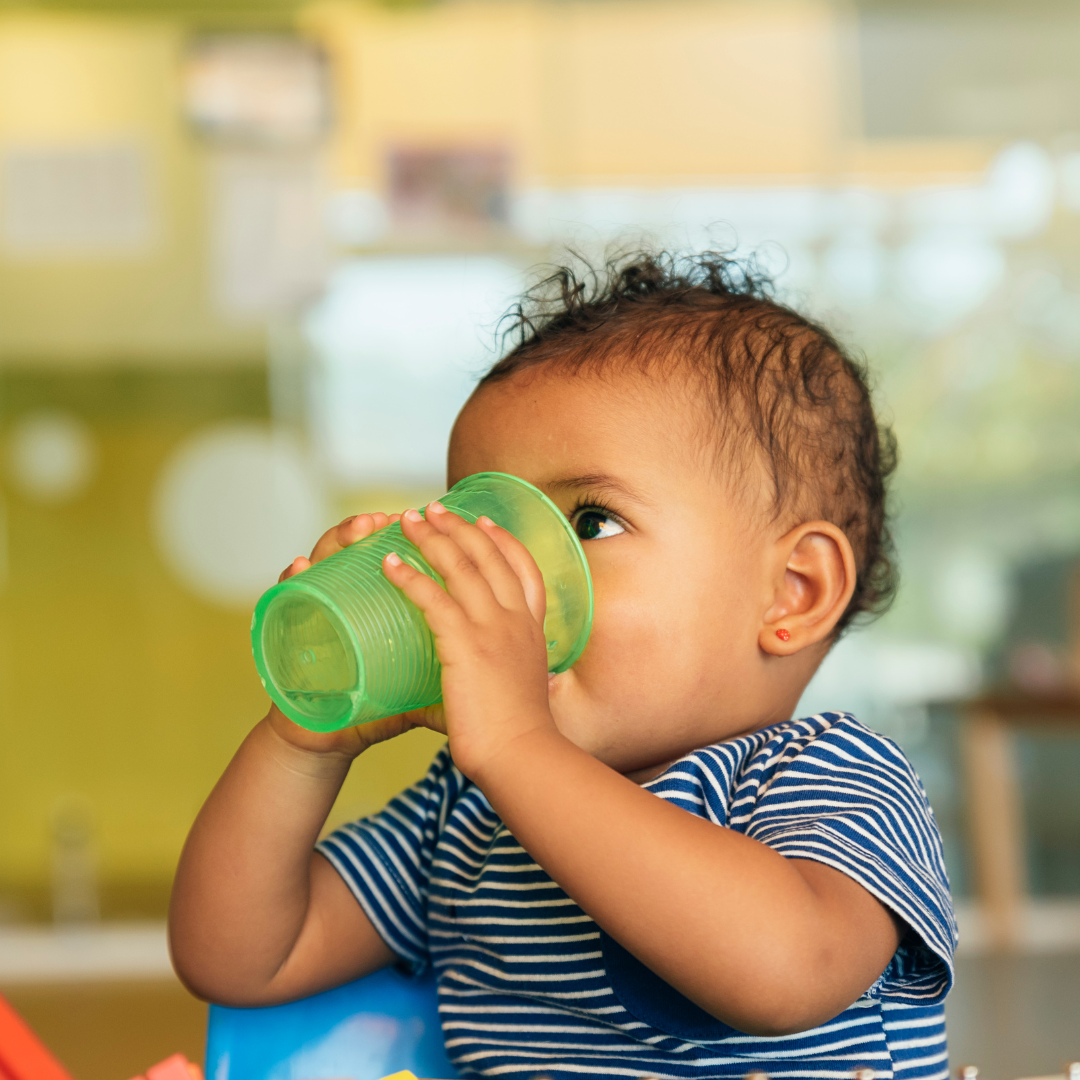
(482, 576)
(294, 568)
(443, 614)
(377, 731)
(352, 529)
(522, 563)
(433, 717)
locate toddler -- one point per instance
(642, 866)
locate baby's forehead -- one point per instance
(665, 391)
(654, 429)
(622, 401)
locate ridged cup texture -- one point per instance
(338, 644)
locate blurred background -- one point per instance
(252, 258)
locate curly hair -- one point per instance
(776, 381)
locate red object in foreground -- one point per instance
(176, 1067)
(23, 1056)
(783, 635)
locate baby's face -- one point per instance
(680, 564)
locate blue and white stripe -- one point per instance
(528, 984)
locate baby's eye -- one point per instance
(595, 524)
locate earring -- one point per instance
(783, 635)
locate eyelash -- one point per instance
(596, 504)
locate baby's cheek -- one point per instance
(629, 658)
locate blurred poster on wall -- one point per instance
(267, 89)
(261, 102)
(81, 199)
(449, 190)
(270, 251)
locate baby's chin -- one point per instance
(603, 732)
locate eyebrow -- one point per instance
(601, 482)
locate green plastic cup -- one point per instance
(338, 645)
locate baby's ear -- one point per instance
(813, 575)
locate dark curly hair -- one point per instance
(776, 380)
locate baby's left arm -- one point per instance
(767, 944)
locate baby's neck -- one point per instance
(649, 772)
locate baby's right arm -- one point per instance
(256, 917)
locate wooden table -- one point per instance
(993, 800)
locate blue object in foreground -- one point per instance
(364, 1030)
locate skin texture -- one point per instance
(693, 576)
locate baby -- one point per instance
(642, 866)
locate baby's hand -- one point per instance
(488, 625)
(354, 740)
(352, 529)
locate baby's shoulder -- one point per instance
(837, 737)
(823, 752)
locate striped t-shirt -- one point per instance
(529, 984)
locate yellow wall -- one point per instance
(620, 92)
(118, 688)
(590, 93)
(75, 81)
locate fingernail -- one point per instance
(393, 560)
(484, 520)
(413, 515)
(436, 507)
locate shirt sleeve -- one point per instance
(386, 859)
(850, 799)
